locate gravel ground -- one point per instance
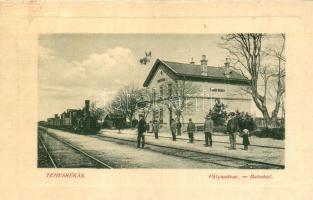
(66, 157)
(227, 162)
(261, 154)
(128, 156)
(217, 137)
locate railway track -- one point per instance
(44, 157)
(204, 157)
(66, 155)
(185, 139)
(225, 161)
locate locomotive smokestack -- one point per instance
(87, 103)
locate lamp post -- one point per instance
(211, 97)
(153, 103)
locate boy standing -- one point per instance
(245, 139)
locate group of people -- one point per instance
(240, 124)
(235, 126)
(191, 128)
(144, 127)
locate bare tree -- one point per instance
(261, 59)
(179, 96)
(125, 103)
(147, 103)
(97, 112)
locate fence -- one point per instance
(260, 123)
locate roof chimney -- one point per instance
(227, 66)
(192, 62)
(204, 66)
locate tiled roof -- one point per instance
(193, 72)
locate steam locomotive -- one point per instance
(75, 120)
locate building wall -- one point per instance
(221, 90)
(160, 79)
(230, 94)
(199, 108)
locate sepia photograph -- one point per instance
(156, 100)
(168, 101)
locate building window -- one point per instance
(161, 115)
(217, 90)
(153, 94)
(161, 91)
(161, 80)
(169, 89)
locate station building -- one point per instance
(211, 83)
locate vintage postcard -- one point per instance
(185, 101)
(123, 101)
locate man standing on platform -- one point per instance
(232, 129)
(208, 130)
(191, 127)
(178, 127)
(155, 128)
(173, 129)
(142, 127)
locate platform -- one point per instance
(262, 149)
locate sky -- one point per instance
(75, 67)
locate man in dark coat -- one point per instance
(142, 127)
(178, 127)
(232, 129)
(173, 129)
(191, 128)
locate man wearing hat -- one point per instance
(232, 129)
(208, 130)
(191, 127)
(142, 127)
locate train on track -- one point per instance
(74, 120)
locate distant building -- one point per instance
(211, 82)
